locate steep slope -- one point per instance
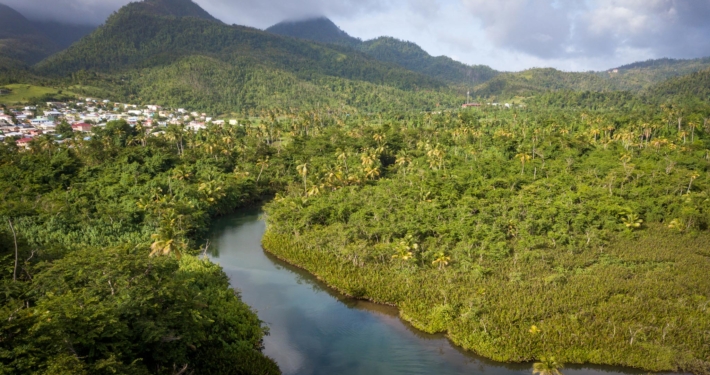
(387, 49)
(20, 40)
(319, 29)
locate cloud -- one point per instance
(265, 13)
(596, 29)
(85, 12)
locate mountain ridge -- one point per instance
(387, 49)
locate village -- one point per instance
(21, 124)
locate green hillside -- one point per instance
(695, 85)
(387, 49)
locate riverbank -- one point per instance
(471, 311)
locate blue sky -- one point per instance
(512, 35)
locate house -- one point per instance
(24, 142)
(470, 105)
(81, 127)
(6, 119)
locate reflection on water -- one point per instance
(314, 330)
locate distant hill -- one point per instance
(391, 50)
(63, 35)
(20, 40)
(695, 85)
(634, 78)
(319, 29)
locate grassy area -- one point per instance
(24, 93)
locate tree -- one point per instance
(166, 242)
(523, 159)
(303, 171)
(442, 260)
(263, 164)
(547, 366)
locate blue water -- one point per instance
(314, 330)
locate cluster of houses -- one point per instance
(22, 124)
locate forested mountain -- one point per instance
(318, 29)
(20, 40)
(143, 55)
(387, 49)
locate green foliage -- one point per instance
(549, 218)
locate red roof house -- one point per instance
(81, 127)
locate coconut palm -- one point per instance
(524, 158)
(303, 171)
(263, 164)
(547, 366)
(442, 260)
(693, 177)
(165, 242)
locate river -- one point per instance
(314, 330)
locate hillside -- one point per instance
(20, 40)
(539, 80)
(387, 49)
(695, 85)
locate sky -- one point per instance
(509, 35)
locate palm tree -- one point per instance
(442, 260)
(303, 171)
(165, 241)
(523, 159)
(263, 163)
(693, 177)
(343, 156)
(547, 366)
(632, 221)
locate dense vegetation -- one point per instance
(79, 291)
(580, 234)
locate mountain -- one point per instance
(146, 52)
(20, 40)
(386, 49)
(319, 29)
(174, 8)
(413, 57)
(63, 35)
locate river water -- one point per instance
(314, 330)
